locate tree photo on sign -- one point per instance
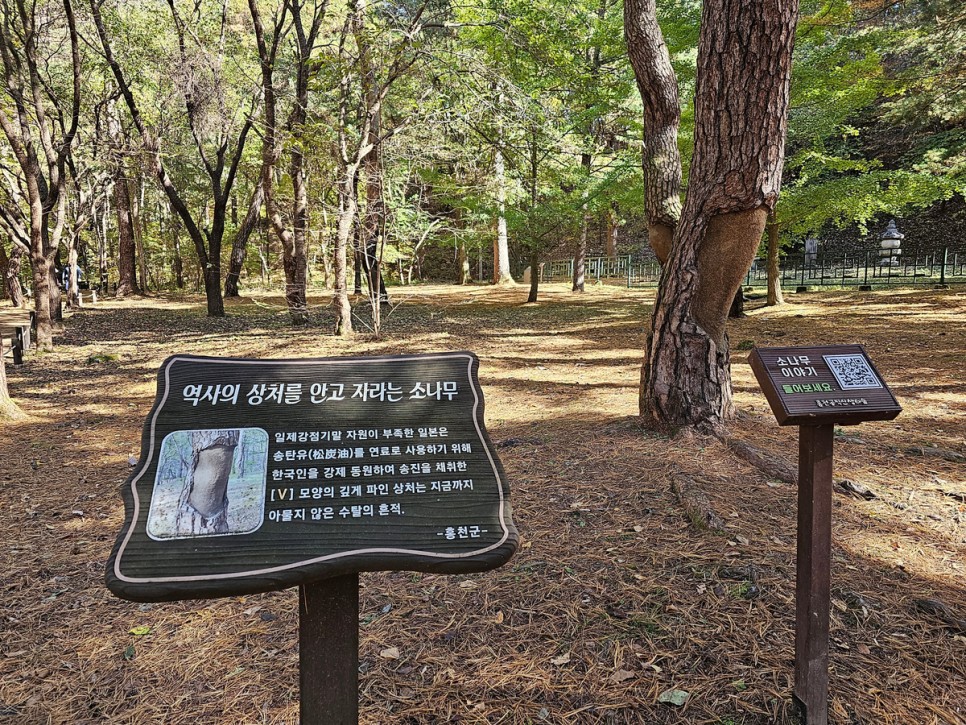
(209, 482)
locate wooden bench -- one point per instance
(16, 327)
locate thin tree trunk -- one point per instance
(464, 275)
(737, 309)
(8, 408)
(239, 247)
(11, 281)
(775, 296)
(139, 225)
(347, 215)
(4, 262)
(658, 87)
(73, 277)
(534, 274)
(611, 242)
(177, 262)
(501, 249)
(127, 246)
(580, 259)
(358, 253)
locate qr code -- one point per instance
(852, 372)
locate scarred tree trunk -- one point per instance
(657, 83)
(741, 103)
(203, 505)
(775, 296)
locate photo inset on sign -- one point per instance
(209, 483)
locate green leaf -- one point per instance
(141, 630)
(129, 652)
(674, 697)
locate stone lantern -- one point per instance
(890, 245)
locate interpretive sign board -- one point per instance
(818, 385)
(257, 475)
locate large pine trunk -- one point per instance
(741, 103)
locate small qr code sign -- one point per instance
(852, 372)
(835, 384)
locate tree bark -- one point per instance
(658, 86)
(295, 247)
(203, 505)
(741, 104)
(580, 258)
(775, 296)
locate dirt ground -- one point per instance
(614, 597)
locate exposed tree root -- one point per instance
(774, 467)
(695, 502)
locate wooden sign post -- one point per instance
(257, 475)
(818, 388)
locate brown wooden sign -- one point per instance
(257, 475)
(818, 385)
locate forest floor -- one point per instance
(614, 597)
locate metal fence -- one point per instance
(595, 268)
(931, 267)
